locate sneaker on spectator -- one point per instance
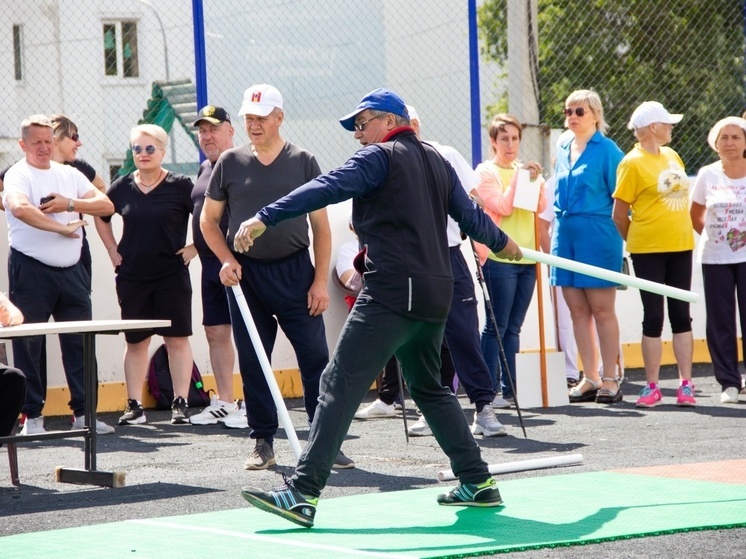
(216, 412)
(420, 428)
(729, 396)
(501, 403)
(685, 396)
(397, 404)
(284, 501)
(483, 494)
(262, 458)
(179, 411)
(649, 398)
(134, 414)
(33, 426)
(237, 418)
(485, 423)
(341, 462)
(376, 410)
(101, 427)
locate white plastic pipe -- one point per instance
(524, 465)
(616, 277)
(282, 411)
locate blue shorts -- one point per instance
(215, 310)
(590, 240)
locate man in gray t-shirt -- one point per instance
(279, 281)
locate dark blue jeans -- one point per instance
(41, 291)
(370, 336)
(276, 295)
(511, 287)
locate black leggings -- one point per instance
(675, 270)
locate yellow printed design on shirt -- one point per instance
(673, 187)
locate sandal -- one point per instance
(606, 396)
(576, 394)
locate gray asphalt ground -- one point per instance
(173, 470)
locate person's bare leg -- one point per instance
(222, 358)
(652, 352)
(180, 362)
(602, 302)
(136, 368)
(683, 350)
(582, 325)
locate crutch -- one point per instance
(491, 312)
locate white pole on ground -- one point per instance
(523, 465)
(616, 277)
(282, 411)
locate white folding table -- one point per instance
(89, 475)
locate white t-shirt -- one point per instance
(724, 234)
(50, 248)
(469, 180)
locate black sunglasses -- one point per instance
(74, 136)
(150, 150)
(580, 111)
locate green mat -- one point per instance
(539, 512)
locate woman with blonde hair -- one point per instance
(585, 232)
(151, 262)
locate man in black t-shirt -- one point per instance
(215, 134)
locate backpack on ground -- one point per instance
(162, 389)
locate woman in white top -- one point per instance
(719, 214)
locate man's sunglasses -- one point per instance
(150, 150)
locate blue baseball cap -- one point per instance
(380, 99)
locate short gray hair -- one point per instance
(39, 120)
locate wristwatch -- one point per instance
(70, 205)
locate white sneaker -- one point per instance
(236, 419)
(500, 403)
(729, 396)
(101, 427)
(216, 412)
(420, 428)
(485, 423)
(376, 410)
(33, 426)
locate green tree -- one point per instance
(687, 54)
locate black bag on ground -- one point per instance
(162, 389)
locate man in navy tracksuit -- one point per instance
(403, 192)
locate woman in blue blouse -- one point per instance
(585, 181)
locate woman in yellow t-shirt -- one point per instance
(510, 284)
(651, 212)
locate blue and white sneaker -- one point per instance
(483, 494)
(284, 501)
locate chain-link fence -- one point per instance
(687, 54)
(110, 63)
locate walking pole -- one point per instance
(282, 411)
(401, 395)
(491, 312)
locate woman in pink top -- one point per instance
(510, 284)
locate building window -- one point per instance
(18, 52)
(120, 49)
